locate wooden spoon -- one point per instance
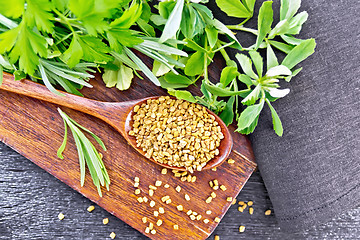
(117, 114)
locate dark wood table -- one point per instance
(31, 199)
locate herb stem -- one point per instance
(7, 22)
(242, 28)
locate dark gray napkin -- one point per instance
(312, 173)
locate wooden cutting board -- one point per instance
(34, 129)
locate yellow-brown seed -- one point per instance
(156, 213)
(206, 221)
(251, 210)
(216, 237)
(234, 201)
(137, 191)
(164, 171)
(242, 229)
(151, 192)
(222, 187)
(152, 203)
(105, 221)
(159, 222)
(180, 207)
(217, 220)
(231, 161)
(192, 217)
(267, 212)
(144, 219)
(90, 208)
(208, 212)
(208, 200)
(161, 210)
(145, 199)
(153, 231)
(158, 183)
(112, 235)
(140, 199)
(250, 203)
(61, 216)
(176, 227)
(213, 195)
(166, 186)
(229, 199)
(178, 188)
(187, 198)
(147, 230)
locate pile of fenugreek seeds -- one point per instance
(176, 132)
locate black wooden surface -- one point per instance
(31, 199)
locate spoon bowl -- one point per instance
(117, 114)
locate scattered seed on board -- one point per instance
(234, 201)
(144, 219)
(240, 209)
(105, 221)
(151, 192)
(136, 184)
(168, 201)
(178, 188)
(216, 187)
(241, 202)
(164, 171)
(216, 237)
(151, 225)
(242, 229)
(112, 235)
(147, 230)
(198, 217)
(180, 207)
(187, 198)
(136, 179)
(222, 187)
(193, 179)
(250, 203)
(90, 208)
(164, 198)
(267, 212)
(158, 183)
(206, 221)
(166, 186)
(176, 227)
(156, 213)
(61, 216)
(140, 199)
(152, 187)
(189, 212)
(229, 199)
(192, 217)
(214, 169)
(211, 184)
(137, 191)
(216, 183)
(217, 220)
(208, 200)
(153, 231)
(208, 212)
(231, 161)
(152, 203)
(145, 199)
(159, 222)
(213, 195)
(161, 210)
(251, 210)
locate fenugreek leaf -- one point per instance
(235, 8)
(271, 59)
(288, 8)
(252, 97)
(265, 20)
(228, 74)
(227, 115)
(276, 120)
(222, 92)
(249, 115)
(173, 23)
(246, 65)
(299, 53)
(281, 46)
(258, 61)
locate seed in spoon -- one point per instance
(176, 132)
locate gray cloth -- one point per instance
(312, 173)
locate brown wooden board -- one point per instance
(34, 129)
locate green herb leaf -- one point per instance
(212, 35)
(297, 22)
(258, 61)
(252, 97)
(276, 120)
(281, 28)
(234, 8)
(38, 14)
(173, 23)
(63, 145)
(177, 78)
(227, 115)
(222, 92)
(182, 94)
(74, 53)
(246, 65)
(13, 8)
(120, 78)
(195, 64)
(278, 70)
(249, 115)
(299, 53)
(245, 79)
(228, 74)
(288, 8)
(281, 46)
(265, 20)
(271, 59)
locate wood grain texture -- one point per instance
(34, 129)
(31, 199)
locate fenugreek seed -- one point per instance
(189, 212)
(90, 208)
(156, 213)
(158, 183)
(240, 209)
(195, 213)
(241, 203)
(177, 174)
(211, 184)
(140, 199)
(164, 171)
(136, 108)
(152, 203)
(242, 229)
(144, 219)
(214, 169)
(61, 216)
(145, 199)
(250, 203)
(153, 231)
(193, 179)
(183, 179)
(208, 200)
(208, 212)
(216, 183)
(206, 221)
(136, 184)
(105, 221)
(217, 220)
(229, 199)
(234, 201)
(222, 187)
(192, 217)
(112, 235)
(267, 212)
(164, 198)
(136, 179)
(251, 210)
(216, 237)
(178, 188)
(176, 227)
(168, 201)
(159, 222)
(151, 225)
(151, 192)
(166, 186)
(231, 161)
(147, 230)
(198, 217)
(213, 195)
(187, 198)
(216, 187)
(152, 187)
(180, 207)
(137, 191)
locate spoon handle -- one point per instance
(38, 91)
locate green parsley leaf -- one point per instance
(38, 14)
(120, 78)
(13, 8)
